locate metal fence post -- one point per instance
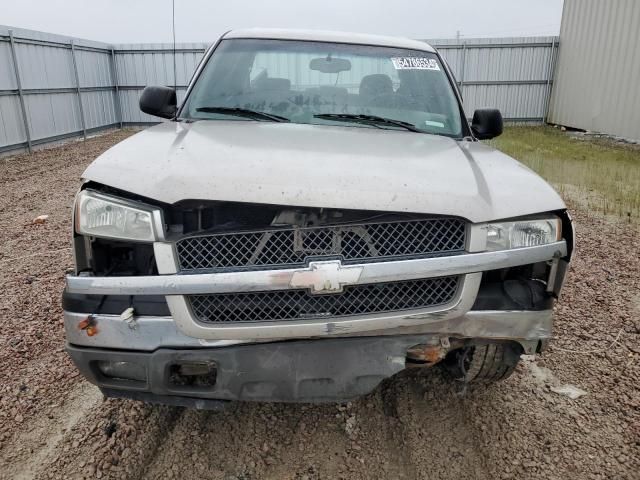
(16, 68)
(550, 72)
(75, 71)
(114, 78)
(464, 60)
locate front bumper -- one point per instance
(147, 334)
(325, 370)
(313, 370)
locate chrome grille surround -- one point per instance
(352, 242)
(299, 304)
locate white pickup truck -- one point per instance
(315, 216)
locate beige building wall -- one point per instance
(597, 77)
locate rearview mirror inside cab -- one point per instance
(330, 65)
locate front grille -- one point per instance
(301, 305)
(351, 242)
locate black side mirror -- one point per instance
(487, 123)
(159, 102)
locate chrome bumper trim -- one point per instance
(152, 333)
(262, 280)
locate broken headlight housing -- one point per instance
(523, 233)
(99, 215)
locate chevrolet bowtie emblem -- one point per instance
(325, 277)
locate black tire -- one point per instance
(486, 363)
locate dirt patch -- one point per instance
(415, 425)
(36, 445)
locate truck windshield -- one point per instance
(325, 84)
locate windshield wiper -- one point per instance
(243, 112)
(368, 119)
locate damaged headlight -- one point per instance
(101, 215)
(523, 233)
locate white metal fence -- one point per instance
(512, 74)
(54, 87)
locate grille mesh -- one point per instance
(300, 304)
(352, 242)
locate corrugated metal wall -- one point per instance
(52, 87)
(139, 65)
(597, 81)
(65, 87)
(511, 74)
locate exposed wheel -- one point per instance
(485, 363)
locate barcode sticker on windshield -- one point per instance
(415, 63)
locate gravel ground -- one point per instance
(53, 424)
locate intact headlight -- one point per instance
(101, 215)
(523, 233)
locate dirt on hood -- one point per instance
(303, 165)
(53, 424)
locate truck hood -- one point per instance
(340, 167)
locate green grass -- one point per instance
(600, 174)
